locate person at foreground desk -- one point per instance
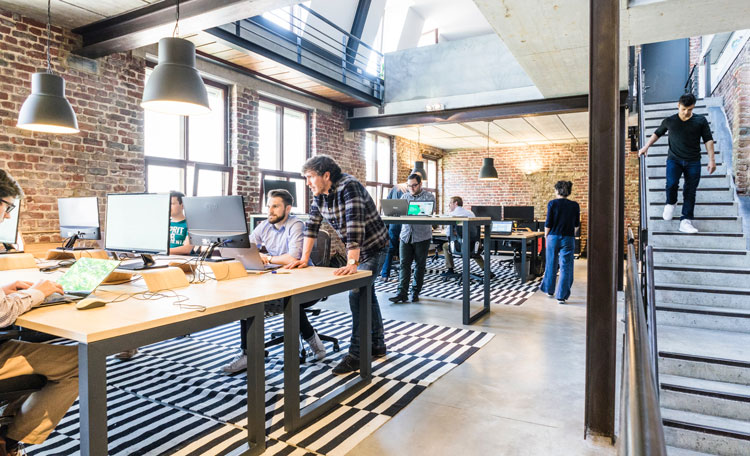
(456, 207)
(343, 202)
(179, 244)
(415, 244)
(36, 415)
(282, 235)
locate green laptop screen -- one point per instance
(86, 274)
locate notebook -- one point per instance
(82, 279)
(394, 207)
(420, 207)
(502, 227)
(250, 258)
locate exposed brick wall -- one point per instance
(329, 136)
(734, 89)
(407, 152)
(243, 128)
(696, 44)
(106, 156)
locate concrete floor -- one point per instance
(521, 394)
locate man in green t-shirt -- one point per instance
(179, 244)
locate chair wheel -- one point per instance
(336, 347)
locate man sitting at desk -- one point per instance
(282, 235)
(35, 415)
(456, 209)
(415, 243)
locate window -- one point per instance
(428, 38)
(283, 147)
(378, 166)
(431, 166)
(189, 155)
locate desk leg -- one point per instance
(291, 365)
(92, 391)
(465, 250)
(256, 393)
(487, 266)
(365, 330)
(524, 247)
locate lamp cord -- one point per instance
(49, 32)
(488, 139)
(176, 31)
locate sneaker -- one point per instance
(127, 354)
(378, 352)
(317, 347)
(448, 273)
(399, 298)
(686, 226)
(668, 211)
(415, 298)
(347, 365)
(561, 301)
(549, 295)
(238, 364)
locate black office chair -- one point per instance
(475, 244)
(17, 387)
(320, 256)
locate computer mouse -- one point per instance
(90, 303)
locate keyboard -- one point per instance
(57, 298)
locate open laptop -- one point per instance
(394, 207)
(502, 227)
(81, 279)
(250, 258)
(420, 207)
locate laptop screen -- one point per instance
(420, 207)
(86, 274)
(502, 227)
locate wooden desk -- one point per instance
(133, 323)
(465, 223)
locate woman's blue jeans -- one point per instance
(559, 256)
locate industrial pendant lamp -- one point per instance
(175, 86)
(488, 171)
(46, 110)
(419, 164)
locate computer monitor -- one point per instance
(138, 223)
(519, 213)
(9, 230)
(216, 221)
(420, 208)
(289, 186)
(493, 212)
(79, 219)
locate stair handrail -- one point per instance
(641, 428)
(642, 191)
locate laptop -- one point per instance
(502, 227)
(81, 279)
(394, 207)
(250, 258)
(420, 207)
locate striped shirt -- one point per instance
(14, 304)
(352, 213)
(416, 233)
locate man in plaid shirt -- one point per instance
(343, 202)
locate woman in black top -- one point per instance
(563, 217)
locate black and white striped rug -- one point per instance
(505, 288)
(174, 399)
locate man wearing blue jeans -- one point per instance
(343, 202)
(394, 231)
(684, 157)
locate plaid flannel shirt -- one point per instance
(352, 213)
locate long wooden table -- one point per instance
(133, 323)
(466, 223)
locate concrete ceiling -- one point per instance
(562, 128)
(454, 19)
(550, 39)
(73, 13)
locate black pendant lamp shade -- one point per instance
(488, 171)
(175, 86)
(419, 168)
(46, 110)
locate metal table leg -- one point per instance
(92, 392)
(524, 246)
(256, 380)
(468, 318)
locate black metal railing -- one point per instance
(642, 170)
(707, 73)
(641, 429)
(690, 83)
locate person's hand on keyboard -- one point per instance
(48, 287)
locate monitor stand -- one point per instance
(148, 263)
(208, 256)
(70, 244)
(9, 248)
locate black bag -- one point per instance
(337, 261)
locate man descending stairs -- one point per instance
(702, 283)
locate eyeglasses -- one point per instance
(10, 206)
(413, 185)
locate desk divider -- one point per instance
(10, 261)
(225, 270)
(164, 279)
(58, 254)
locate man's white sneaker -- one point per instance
(668, 211)
(686, 226)
(238, 364)
(317, 347)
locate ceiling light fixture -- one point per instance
(47, 110)
(488, 171)
(175, 86)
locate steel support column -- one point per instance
(601, 304)
(621, 137)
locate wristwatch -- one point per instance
(352, 261)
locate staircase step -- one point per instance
(727, 400)
(702, 275)
(705, 240)
(704, 224)
(709, 295)
(699, 366)
(699, 432)
(719, 194)
(701, 256)
(700, 316)
(657, 179)
(674, 451)
(660, 158)
(656, 209)
(699, 104)
(660, 114)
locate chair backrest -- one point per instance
(474, 238)
(321, 252)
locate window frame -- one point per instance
(280, 173)
(380, 187)
(185, 162)
(434, 190)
